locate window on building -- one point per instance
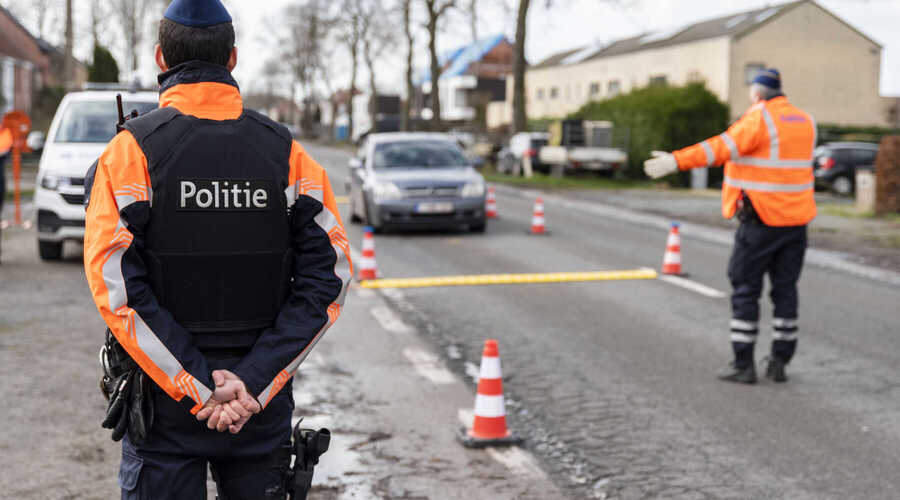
(613, 88)
(554, 92)
(750, 71)
(658, 81)
(595, 89)
(540, 94)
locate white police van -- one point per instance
(84, 123)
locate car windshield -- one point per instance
(418, 154)
(94, 121)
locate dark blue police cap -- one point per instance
(770, 77)
(197, 13)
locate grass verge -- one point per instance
(25, 193)
(850, 211)
(543, 181)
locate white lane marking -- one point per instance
(514, 458)
(389, 320)
(473, 371)
(429, 366)
(693, 286)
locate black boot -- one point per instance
(741, 375)
(775, 370)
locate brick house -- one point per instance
(24, 67)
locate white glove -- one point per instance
(661, 165)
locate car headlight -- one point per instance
(474, 189)
(54, 182)
(385, 191)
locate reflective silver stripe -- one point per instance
(784, 323)
(741, 337)
(747, 161)
(769, 186)
(710, 156)
(730, 143)
(773, 133)
(328, 222)
(147, 341)
(789, 337)
(739, 324)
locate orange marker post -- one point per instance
(19, 124)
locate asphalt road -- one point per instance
(613, 382)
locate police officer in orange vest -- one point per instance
(768, 184)
(6, 140)
(216, 257)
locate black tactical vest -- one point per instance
(217, 246)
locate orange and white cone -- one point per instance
(672, 257)
(537, 220)
(489, 427)
(490, 206)
(368, 269)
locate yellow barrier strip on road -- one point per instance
(510, 279)
(341, 199)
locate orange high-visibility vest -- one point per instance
(6, 140)
(767, 155)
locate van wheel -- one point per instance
(50, 250)
(842, 186)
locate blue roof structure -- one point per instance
(458, 61)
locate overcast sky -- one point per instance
(569, 24)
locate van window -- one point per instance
(94, 121)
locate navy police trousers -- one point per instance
(761, 250)
(171, 464)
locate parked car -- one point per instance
(82, 126)
(418, 180)
(835, 164)
(523, 145)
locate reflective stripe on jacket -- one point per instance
(768, 155)
(120, 197)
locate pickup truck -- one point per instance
(577, 145)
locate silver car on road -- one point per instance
(416, 180)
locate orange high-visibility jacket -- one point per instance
(5, 140)
(767, 155)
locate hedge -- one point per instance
(660, 118)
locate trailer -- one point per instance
(583, 145)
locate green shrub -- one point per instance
(659, 118)
(832, 133)
(104, 67)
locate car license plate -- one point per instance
(436, 207)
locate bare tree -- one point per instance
(41, 9)
(520, 118)
(68, 67)
(436, 10)
(98, 19)
(406, 6)
(353, 31)
(131, 15)
(379, 36)
(309, 27)
(473, 19)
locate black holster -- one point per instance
(307, 447)
(127, 388)
(745, 211)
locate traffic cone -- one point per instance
(672, 257)
(368, 269)
(489, 427)
(490, 206)
(537, 220)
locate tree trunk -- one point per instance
(373, 89)
(435, 74)
(473, 19)
(68, 77)
(410, 89)
(354, 58)
(520, 118)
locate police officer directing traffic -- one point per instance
(217, 258)
(768, 184)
